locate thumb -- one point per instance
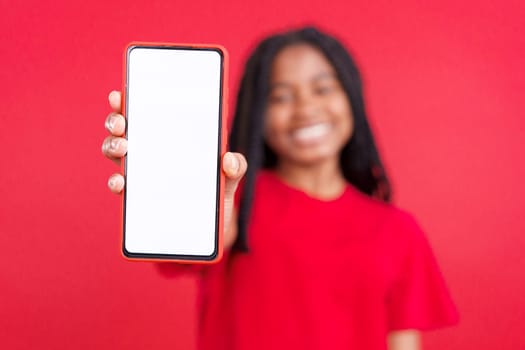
(234, 166)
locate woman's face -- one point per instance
(309, 118)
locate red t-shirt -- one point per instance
(336, 274)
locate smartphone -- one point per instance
(174, 102)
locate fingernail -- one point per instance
(110, 123)
(112, 182)
(234, 163)
(114, 144)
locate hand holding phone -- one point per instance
(160, 226)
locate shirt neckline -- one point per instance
(296, 191)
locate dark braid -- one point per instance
(360, 161)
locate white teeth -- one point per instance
(311, 133)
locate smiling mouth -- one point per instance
(311, 134)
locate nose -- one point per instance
(306, 106)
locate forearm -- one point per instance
(404, 340)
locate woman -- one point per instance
(317, 257)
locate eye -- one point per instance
(324, 89)
(279, 98)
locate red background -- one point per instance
(444, 84)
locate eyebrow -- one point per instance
(316, 78)
(324, 75)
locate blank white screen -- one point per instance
(173, 114)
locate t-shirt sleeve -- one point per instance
(418, 298)
(175, 270)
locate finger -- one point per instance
(115, 101)
(115, 124)
(116, 183)
(114, 147)
(234, 166)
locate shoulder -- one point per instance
(396, 224)
(375, 209)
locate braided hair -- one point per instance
(359, 158)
